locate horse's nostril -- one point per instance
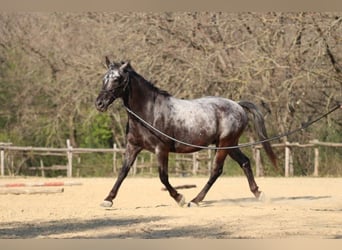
(99, 104)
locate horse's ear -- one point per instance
(125, 66)
(107, 62)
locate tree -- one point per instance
(52, 66)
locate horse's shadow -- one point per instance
(243, 201)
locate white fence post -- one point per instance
(114, 158)
(316, 164)
(259, 171)
(287, 158)
(69, 155)
(2, 160)
(195, 163)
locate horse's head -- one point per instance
(114, 85)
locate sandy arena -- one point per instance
(294, 208)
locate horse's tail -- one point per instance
(259, 125)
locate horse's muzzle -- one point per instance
(101, 105)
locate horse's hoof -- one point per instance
(192, 204)
(262, 197)
(106, 204)
(182, 201)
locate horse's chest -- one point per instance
(142, 136)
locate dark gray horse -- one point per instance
(203, 121)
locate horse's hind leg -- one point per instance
(162, 158)
(244, 163)
(215, 173)
(130, 155)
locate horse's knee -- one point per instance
(246, 164)
(124, 170)
(217, 172)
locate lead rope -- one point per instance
(243, 145)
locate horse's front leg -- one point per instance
(130, 155)
(162, 159)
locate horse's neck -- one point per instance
(140, 97)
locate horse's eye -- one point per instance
(109, 85)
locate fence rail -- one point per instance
(195, 158)
(289, 146)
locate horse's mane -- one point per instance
(148, 84)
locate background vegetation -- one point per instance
(51, 67)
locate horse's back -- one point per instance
(210, 106)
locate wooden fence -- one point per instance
(289, 151)
(69, 151)
(196, 159)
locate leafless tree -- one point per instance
(52, 66)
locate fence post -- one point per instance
(151, 163)
(114, 158)
(42, 167)
(2, 160)
(134, 169)
(69, 155)
(316, 164)
(210, 162)
(287, 159)
(195, 163)
(291, 170)
(258, 166)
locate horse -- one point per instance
(205, 121)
